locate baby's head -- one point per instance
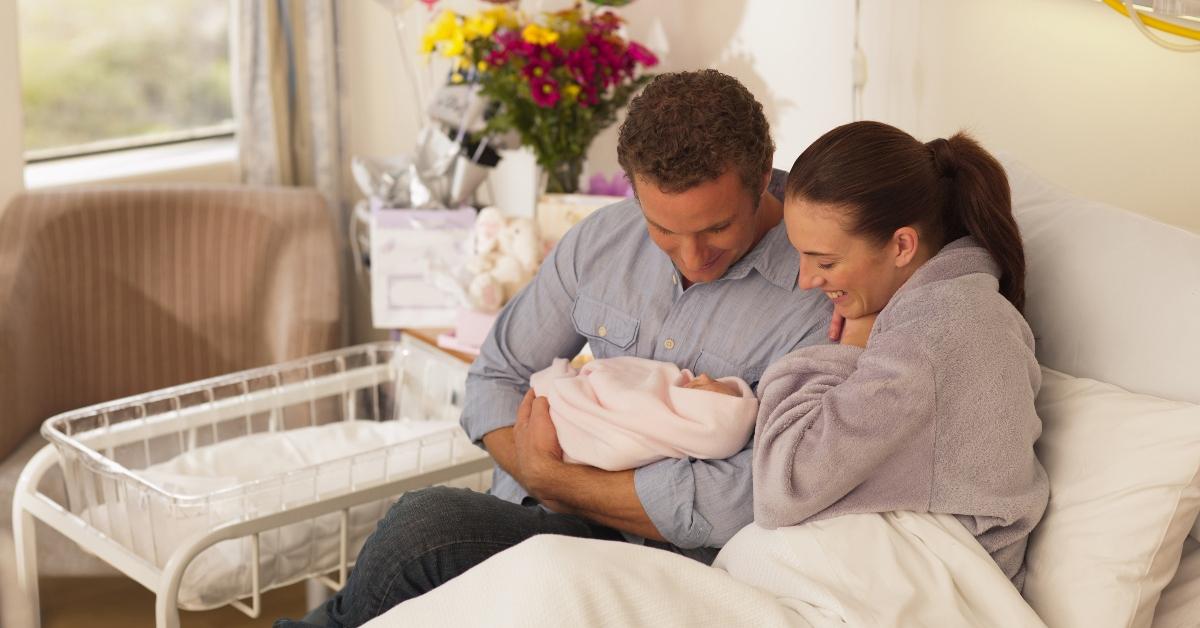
(704, 382)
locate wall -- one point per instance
(1067, 86)
(794, 56)
(11, 143)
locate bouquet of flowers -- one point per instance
(557, 78)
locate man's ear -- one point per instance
(904, 246)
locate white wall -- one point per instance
(793, 55)
(11, 142)
(1067, 86)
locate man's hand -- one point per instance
(539, 456)
(835, 327)
(856, 331)
(529, 451)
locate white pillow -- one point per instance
(1098, 283)
(1124, 492)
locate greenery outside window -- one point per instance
(99, 76)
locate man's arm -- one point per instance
(606, 497)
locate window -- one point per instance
(98, 76)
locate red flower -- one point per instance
(544, 91)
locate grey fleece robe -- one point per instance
(935, 415)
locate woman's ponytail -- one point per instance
(979, 204)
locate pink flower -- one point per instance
(642, 55)
(544, 92)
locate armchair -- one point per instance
(111, 291)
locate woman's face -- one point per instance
(857, 274)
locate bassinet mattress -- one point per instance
(222, 572)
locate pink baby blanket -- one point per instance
(626, 412)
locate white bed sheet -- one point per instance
(892, 569)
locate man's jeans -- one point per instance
(430, 536)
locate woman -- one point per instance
(926, 404)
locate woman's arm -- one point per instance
(832, 417)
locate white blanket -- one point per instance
(626, 412)
(893, 569)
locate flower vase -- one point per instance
(563, 176)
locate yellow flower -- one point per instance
(482, 65)
(502, 16)
(539, 36)
(444, 26)
(479, 25)
(446, 34)
(572, 91)
(454, 45)
(456, 78)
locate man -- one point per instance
(697, 271)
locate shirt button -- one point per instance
(674, 280)
(602, 331)
(669, 343)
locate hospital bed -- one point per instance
(1113, 299)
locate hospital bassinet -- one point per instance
(233, 537)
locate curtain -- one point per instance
(287, 101)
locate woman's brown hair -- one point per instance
(946, 189)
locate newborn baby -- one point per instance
(626, 412)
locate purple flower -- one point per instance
(619, 186)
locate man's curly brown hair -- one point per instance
(687, 128)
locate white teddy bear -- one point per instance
(507, 254)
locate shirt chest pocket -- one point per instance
(609, 331)
(716, 367)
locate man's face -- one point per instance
(704, 230)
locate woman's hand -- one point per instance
(856, 331)
(835, 327)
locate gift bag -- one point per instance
(417, 256)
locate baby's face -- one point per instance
(704, 382)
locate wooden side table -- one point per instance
(429, 337)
